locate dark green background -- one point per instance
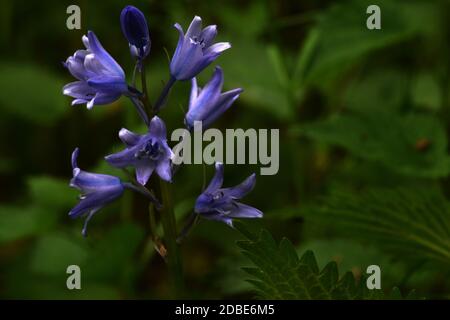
(360, 112)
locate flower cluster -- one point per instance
(101, 80)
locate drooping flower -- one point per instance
(97, 190)
(209, 103)
(134, 27)
(195, 50)
(147, 153)
(221, 204)
(101, 80)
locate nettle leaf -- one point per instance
(32, 93)
(413, 145)
(280, 274)
(412, 221)
(341, 38)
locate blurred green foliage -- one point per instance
(364, 123)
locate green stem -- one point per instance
(145, 99)
(170, 235)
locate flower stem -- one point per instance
(144, 191)
(163, 96)
(170, 235)
(142, 113)
(145, 100)
(191, 222)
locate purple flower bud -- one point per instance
(217, 203)
(97, 190)
(101, 80)
(146, 153)
(195, 50)
(134, 27)
(209, 103)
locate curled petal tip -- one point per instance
(75, 157)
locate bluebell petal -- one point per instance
(164, 170)
(195, 28)
(208, 34)
(224, 102)
(143, 172)
(244, 211)
(102, 98)
(86, 222)
(179, 47)
(129, 138)
(217, 48)
(157, 128)
(108, 83)
(185, 66)
(85, 41)
(194, 93)
(79, 90)
(217, 180)
(92, 182)
(241, 190)
(203, 203)
(206, 100)
(94, 201)
(74, 158)
(94, 67)
(79, 101)
(218, 217)
(123, 158)
(89, 202)
(75, 64)
(103, 56)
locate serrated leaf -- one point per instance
(414, 221)
(280, 274)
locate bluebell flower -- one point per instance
(221, 204)
(101, 80)
(134, 27)
(97, 190)
(209, 103)
(147, 153)
(195, 50)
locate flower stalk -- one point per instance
(163, 96)
(170, 234)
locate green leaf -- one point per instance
(260, 72)
(113, 252)
(413, 145)
(383, 89)
(280, 274)
(426, 93)
(32, 93)
(410, 221)
(55, 252)
(19, 222)
(340, 39)
(51, 193)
